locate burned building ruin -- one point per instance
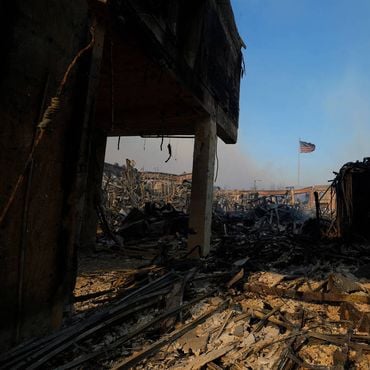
(73, 74)
(105, 266)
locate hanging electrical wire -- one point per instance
(169, 152)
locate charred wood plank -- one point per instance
(155, 347)
(334, 298)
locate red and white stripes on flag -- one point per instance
(305, 147)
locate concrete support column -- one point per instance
(202, 187)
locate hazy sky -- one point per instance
(307, 76)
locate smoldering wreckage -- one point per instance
(277, 291)
(175, 277)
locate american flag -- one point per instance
(305, 147)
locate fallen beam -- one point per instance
(155, 347)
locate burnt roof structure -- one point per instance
(352, 188)
(73, 73)
(167, 64)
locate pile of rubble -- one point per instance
(265, 298)
(125, 188)
(278, 322)
(272, 294)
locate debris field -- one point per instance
(267, 297)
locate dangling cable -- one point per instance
(169, 152)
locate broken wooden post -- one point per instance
(202, 187)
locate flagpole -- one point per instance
(299, 161)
